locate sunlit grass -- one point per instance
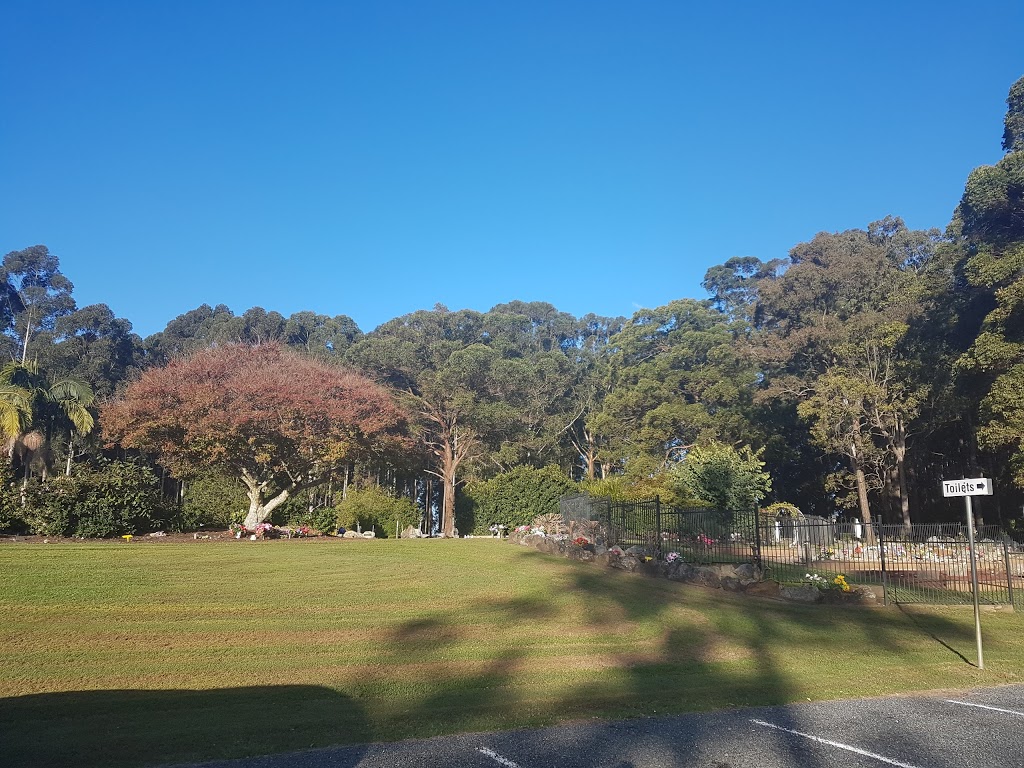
(131, 654)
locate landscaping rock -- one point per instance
(708, 577)
(626, 563)
(682, 572)
(747, 573)
(731, 584)
(638, 551)
(607, 559)
(801, 593)
(546, 545)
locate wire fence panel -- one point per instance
(927, 563)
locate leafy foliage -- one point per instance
(373, 508)
(110, 499)
(512, 498)
(278, 421)
(723, 477)
(212, 499)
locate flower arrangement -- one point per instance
(263, 530)
(705, 540)
(671, 557)
(836, 584)
(580, 541)
(616, 550)
(522, 529)
(817, 580)
(237, 530)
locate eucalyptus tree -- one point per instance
(94, 346)
(674, 379)
(321, 336)
(35, 294)
(836, 320)
(990, 222)
(439, 360)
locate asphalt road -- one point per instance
(962, 729)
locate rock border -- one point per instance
(744, 578)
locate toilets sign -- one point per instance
(978, 486)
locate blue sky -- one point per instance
(374, 158)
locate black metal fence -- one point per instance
(915, 564)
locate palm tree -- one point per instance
(15, 410)
(54, 407)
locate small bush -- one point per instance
(212, 499)
(511, 499)
(12, 518)
(375, 509)
(111, 499)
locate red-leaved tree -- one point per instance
(279, 421)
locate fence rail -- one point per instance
(927, 563)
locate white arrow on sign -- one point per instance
(976, 486)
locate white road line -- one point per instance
(497, 758)
(984, 706)
(847, 747)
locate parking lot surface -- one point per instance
(962, 729)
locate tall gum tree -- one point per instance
(279, 421)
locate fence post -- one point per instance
(657, 526)
(1009, 574)
(757, 537)
(881, 556)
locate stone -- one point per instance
(747, 573)
(638, 551)
(708, 577)
(801, 593)
(731, 584)
(682, 572)
(626, 563)
(547, 545)
(607, 559)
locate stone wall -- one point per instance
(736, 577)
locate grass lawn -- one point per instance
(135, 654)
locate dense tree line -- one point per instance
(858, 371)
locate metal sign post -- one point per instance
(980, 486)
(974, 580)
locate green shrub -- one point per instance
(375, 509)
(722, 476)
(111, 499)
(296, 513)
(213, 499)
(12, 518)
(511, 499)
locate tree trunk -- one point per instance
(862, 497)
(900, 451)
(448, 467)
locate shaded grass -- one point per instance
(129, 655)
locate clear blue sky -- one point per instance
(374, 158)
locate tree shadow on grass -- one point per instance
(144, 727)
(729, 661)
